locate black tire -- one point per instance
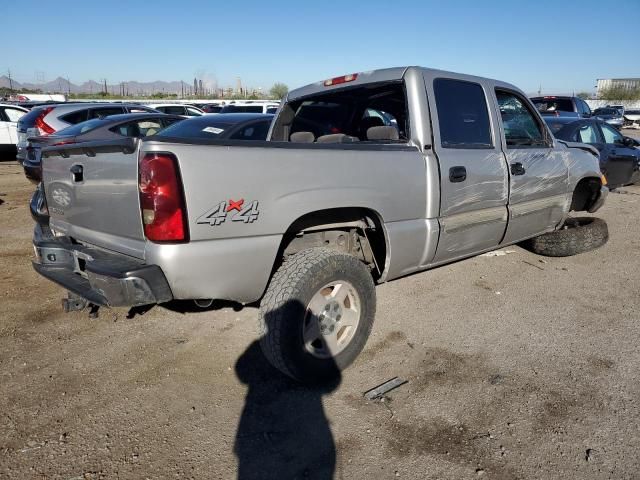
(577, 235)
(284, 306)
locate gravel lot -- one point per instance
(518, 366)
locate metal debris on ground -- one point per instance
(384, 388)
(533, 265)
(497, 253)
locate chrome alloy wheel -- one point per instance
(331, 319)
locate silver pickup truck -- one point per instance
(364, 178)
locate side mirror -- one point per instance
(630, 142)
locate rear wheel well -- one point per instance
(585, 194)
(356, 231)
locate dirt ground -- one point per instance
(518, 366)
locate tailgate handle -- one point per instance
(77, 172)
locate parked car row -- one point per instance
(48, 119)
(234, 126)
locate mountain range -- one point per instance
(61, 85)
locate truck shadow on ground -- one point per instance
(283, 430)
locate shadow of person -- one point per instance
(283, 432)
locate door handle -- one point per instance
(517, 169)
(77, 173)
(457, 174)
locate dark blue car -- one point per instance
(619, 157)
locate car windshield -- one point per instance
(82, 127)
(196, 129)
(553, 104)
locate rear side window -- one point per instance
(82, 127)
(105, 112)
(177, 110)
(463, 115)
(76, 117)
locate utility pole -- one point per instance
(182, 88)
(10, 81)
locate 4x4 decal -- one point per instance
(235, 210)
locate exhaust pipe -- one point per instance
(204, 302)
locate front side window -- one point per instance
(463, 115)
(521, 127)
(192, 112)
(611, 135)
(587, 134)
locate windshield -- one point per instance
(196, 129)
(82, 127)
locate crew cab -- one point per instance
(363, 178)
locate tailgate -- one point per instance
(92, 193)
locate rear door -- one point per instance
(538, 173)
(473, 171)
(92, 193)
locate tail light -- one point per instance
(161, 198)
(41, 125)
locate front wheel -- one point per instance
(317, 314)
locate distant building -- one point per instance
(625, 83)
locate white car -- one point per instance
(9, 116)
(251, 107)
(177, 109)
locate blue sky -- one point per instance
(562, 45)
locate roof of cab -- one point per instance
(386, 75)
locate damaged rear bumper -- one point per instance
(102, 278)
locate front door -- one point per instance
(618, 161)
(5, 136)
(538, 173)
(473, 171)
